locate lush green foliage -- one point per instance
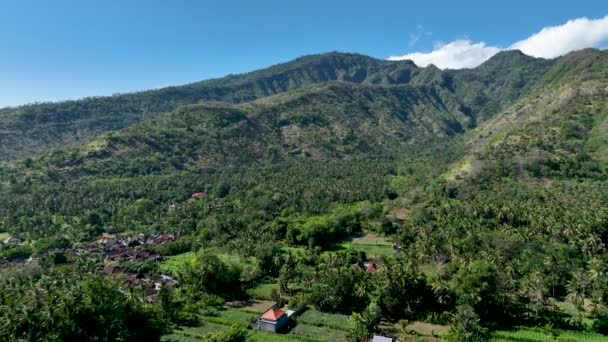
(35, 128)
(66, 305)
(491, 183)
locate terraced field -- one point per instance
(230, 317)
(314, 333)
(313, 326)
(538, 335)
(321, 319)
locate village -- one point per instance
(134, 260)
(115, 250)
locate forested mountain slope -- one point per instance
(491, 183)
(29, 129)
(331, 120)
(527, 202)
(559, 129)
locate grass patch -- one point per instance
(179, 338)
(321, 319)
(229, 317)
(371, 244)
(463, 167)
(497, 137)
(262, 336)
(539, 335)
(371, 239)
(263, 291)
(254, 306)
(202, 331)
(175, 263)
(427, 329)
(430, 271)
(311, 332)
(4, 236)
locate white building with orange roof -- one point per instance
(272, 320)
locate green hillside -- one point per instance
(26, 130)
(486, 189)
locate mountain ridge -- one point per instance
(34, 128)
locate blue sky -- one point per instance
(68, 49)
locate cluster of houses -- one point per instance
(119, 249)
(116, 250)
(112, 241)
(369, 267)
(151, 285)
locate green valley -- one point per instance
(377, 197)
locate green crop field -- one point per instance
(254, 336)
(4, 236)
(262, 336)
(321, 319)
(229, 317)
(203, 330)
(538, 335)
(371, 244)
(318, 333)
(199, 333)
(180, 338)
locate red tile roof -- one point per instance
(273, 314)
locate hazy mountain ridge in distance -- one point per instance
(27, 130)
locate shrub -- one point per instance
(466, 327)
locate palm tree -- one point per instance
(577, 288)
(534, 289)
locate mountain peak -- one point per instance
(508, 57)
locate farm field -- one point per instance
(315, 333)
(370, 243)
(312, 326)
(179, 338)
(321, 319)
(194, 333)
(254, 336)
(538, 335)
(229, 317)
(250, 306)
(261, 336)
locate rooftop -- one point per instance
(273, 314)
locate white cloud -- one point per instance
(455, 55)
(549, 42)
(555, 41)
